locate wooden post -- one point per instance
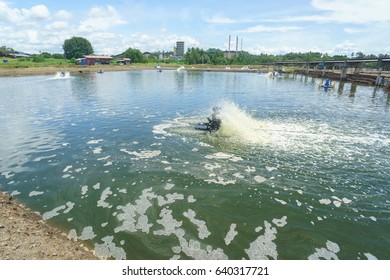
(307, 68)
(344, 70)
(379, 78)
(358, 69)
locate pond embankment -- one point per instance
(25, 236)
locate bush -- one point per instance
(38, 58)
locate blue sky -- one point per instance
(273, 27)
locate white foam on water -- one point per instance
(169, 198)
(170, 224)
(15, 193)
(250, 169)
(370, 256)
(61, 76)
(203, 232)
(231, 234)
(55, 212)
(105, 194)
(7, 174)
(260, 179)
(66, 169)
(145, 154)
(325, 201)
(135, 213)
(70, 206)
(336, 203)
(104, 158)
(258, 229)
(35, 193)
(87, 233)
(281, 201)
(169, 186)
(220, 181)
(109, 249)
(176, 249)
(160, 129)
(280, 222)
(263, 248)
(221, 155)
(346, 200)
(328, 253)
(193, 248)
(42, 158)
(97, 150)
(84, 190)
(191, 199)
(94, 142)
(72, 235)
(271, 168)
(238, 175)
(211, 167)
(202, 144)
(96, 186)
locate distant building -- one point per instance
(230, 54)
(20, 55)
(164, 55)
(94, 60)
(178, 50)
(124, 61)
(147, 54)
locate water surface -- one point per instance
(296, 172)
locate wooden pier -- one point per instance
(354, 70)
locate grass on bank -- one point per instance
(14, 63)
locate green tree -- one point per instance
(196, 56)
(135, 55)
(76, 47)
(5, 51)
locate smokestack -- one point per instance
(236, 45)
(229, 47)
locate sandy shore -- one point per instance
(25, 236)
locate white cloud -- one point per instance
(36, 12)
(344, 48)
(353, 30)
(344, 11)
(355, 11)
(219, 19)
(64, 15)
(166, 41)
(261, 49)
(262, 28)
(58, 25)
(101, 19)
(8, 14)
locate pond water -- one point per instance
(113, 159)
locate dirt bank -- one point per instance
(51, 70)
(24, 236)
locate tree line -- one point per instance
(77, 47)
